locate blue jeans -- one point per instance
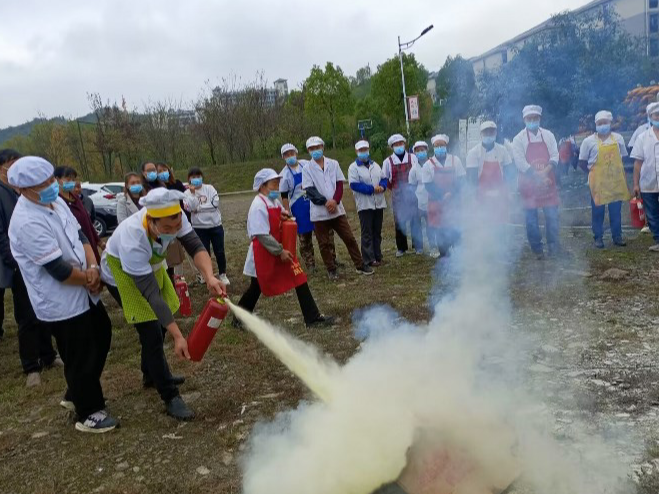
(651, 207)
(615, 219)
(551, 226)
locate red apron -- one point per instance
(492, 191)
(274, 275)
(444, 179)
(538, 195)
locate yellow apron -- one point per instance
(607, 176)
(136, 307)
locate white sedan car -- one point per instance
(104, 197)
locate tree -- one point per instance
(579, 65)
(456, 85)
(327, 92)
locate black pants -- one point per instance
(307, 303)
(214, 236)
(371, 231)
(35, 346)
(84, 343)
(153, 361)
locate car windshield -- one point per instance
(114, 189)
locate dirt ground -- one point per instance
(594, 333)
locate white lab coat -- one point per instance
(371, 175)
(521, 144)
(324, 179)
(647, 151)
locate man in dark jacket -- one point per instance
(34, 340)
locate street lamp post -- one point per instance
(401, 47)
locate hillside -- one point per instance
(25, 129)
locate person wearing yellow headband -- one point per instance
(135, 270)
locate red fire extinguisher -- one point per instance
(289, 236)
(183, 293)
(637, 212)
(205, 328)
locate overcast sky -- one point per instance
(52, 53)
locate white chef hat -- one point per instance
(315, 141)
(604, 115)
(29, 171)
(532, 110)
(395, 138)
(161, 202)
(263, 176)
(488, 125)
(288, 147)
(361, 145)
(440, 137)
(420, 144)
(653, 108)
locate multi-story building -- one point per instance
(273, 95)
(639, 17)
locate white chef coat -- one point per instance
(643, 128)
(478, 155)
(324, 179)
(521, 144)
(204, 206)
(258, 223)
(590, 147)
(416, 178)
(287, 182)
(37, 236)
(452, 163)
(386, 166)
(369, 175)
(130, 244)
(647, 151)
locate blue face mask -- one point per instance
(440, 151)
(363, 156)
(489, 140)
(196, 182)
(151, 176)
(135, 189)
(532, 125)
(317, 154)
(68, 186)
(273, 194)
(655, 123)
(291, 160)
(399, 150)
(422, 155)
(163, 176)
(603, 129)
(49, 194)
(166, 238)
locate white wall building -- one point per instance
(639, 17)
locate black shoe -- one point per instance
(177, 408)
(321, 321)
(176, 381)
(619, 242)
(599, 243)
(365, 270)
(333, 275)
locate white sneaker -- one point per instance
(435, 254)
(223, 278)
(654, 248)
(67, 405)
(645, 229)
(33, 379)
(400, 253)
(419, 252)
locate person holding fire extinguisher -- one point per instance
(443, 177)
(488, 165)
(536, 156)
(272, 269)
(134, 268)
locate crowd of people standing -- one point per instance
(57, 267)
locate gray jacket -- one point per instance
(125, 207)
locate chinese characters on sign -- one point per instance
(413, 107)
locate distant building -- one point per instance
(185, 117)
(639, 17)
(431, 86)
(273, 95)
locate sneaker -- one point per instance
(321, 321)
(400, 253)
(333, 275)
(176, 381)
(33, 379)
(58, 362)
(599, 243)
(619, 242)
(654, 248)
(419, 252)
(645, 229)
(67, 405)
(223, 278)
(97, 423)
(365, 270)
(435, 254)
(376, 264)
(177, 408)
